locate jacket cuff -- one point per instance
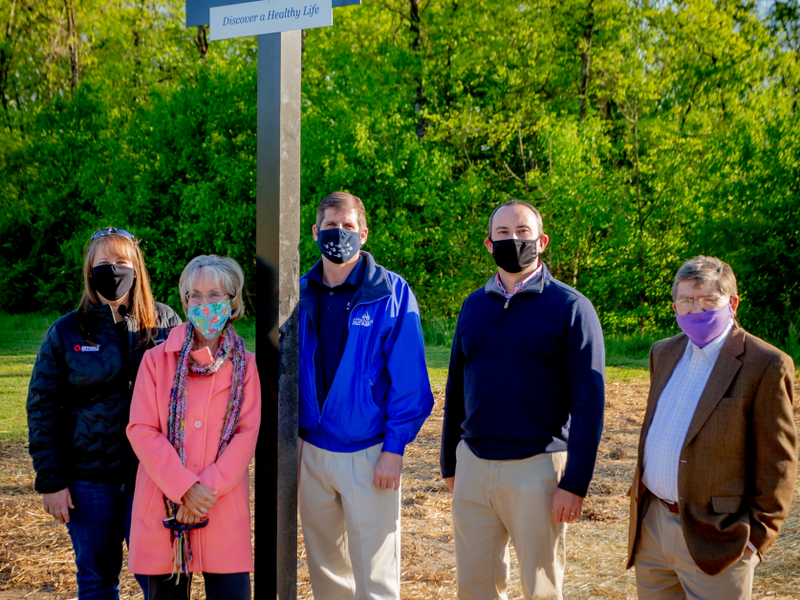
(574, 487)
(394, 446)
(51, 486)
(179, 485)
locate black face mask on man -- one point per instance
(112, 281)
(514, 256)
(338, 245)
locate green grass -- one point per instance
(630, 351)
(20, 338)
(246, 327)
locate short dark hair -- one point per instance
(539, 221)
(342, 201)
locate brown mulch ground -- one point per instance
(36, 560)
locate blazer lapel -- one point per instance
(719, 381)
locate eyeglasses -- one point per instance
(684, 305)
(213, 297)
(110, 230)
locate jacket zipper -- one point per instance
(349, 322)
(503, 320)
(130, 353)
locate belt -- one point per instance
(671, 506)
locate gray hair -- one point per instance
(227, 275)
(707, 269)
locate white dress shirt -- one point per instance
(674, 413)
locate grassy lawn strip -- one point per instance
(21, 336)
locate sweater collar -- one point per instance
(534, 285)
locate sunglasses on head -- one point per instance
(110, 230)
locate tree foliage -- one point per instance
(645, 131)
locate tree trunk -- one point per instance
(5, 59)
(201, 40)
(416, 46)
(73, 45)
(586, 58)
(640, 218)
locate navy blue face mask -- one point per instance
(338, 245)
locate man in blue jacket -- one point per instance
(364, 394)
(523, 415)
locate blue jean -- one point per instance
(98, 524)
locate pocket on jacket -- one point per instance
(724, 505)
(241, 503)
(149, 494)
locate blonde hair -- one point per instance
(225, 272)
(141, 305)
(707, 269)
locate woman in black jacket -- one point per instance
(78, 405)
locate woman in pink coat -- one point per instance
(194, 422)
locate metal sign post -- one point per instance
(277, 241)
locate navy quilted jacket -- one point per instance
(79, 399)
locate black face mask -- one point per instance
(514, 256)
(338, 245)
(112, 281)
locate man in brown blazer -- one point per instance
(718, 450)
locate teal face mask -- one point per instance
(209, 319)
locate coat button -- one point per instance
(197, 424)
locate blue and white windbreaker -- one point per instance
(381, 391)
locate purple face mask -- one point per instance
(703, 327)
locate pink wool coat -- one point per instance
(223, 546)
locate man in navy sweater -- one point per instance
(523, 415)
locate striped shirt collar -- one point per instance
(536, 273)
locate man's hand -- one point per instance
(199, 500)
(387, 471)
(451, 483)
(566, 506)
(58, 504)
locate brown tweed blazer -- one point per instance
(739, 459)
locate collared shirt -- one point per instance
(536, 273)
(333, 307)
(674, 412)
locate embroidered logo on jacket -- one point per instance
(87, 348)
(365, 320)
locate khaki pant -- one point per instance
(495, 499)
(665, 569)
(351, 528)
